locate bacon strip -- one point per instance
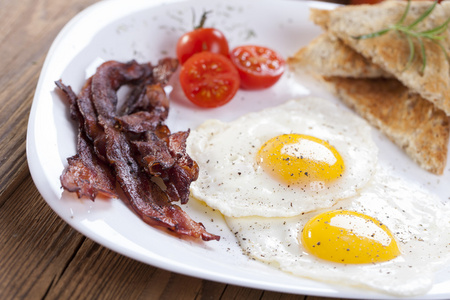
(164, 155)
(133, 144)
(86, 174)
(145, 197)
(149, 110)
(110, 76)
(180, 176)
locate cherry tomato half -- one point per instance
(259, 67)
(209, 79)
(201, 39)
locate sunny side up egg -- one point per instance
(391, 238)
(298, 157)
(300, 186)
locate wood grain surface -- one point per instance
(41, 257)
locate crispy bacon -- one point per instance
(154, 154)
(161, 74)
(133, 144)
(86, 174)
(146, 197)
(110, 76)
(164, 70)
(89, 120)
(180, 176)
(147, 112)
(164, 155)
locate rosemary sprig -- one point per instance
(435, 34)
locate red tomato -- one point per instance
(209, 79)
(259, 67)
(201, 39)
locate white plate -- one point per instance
(146, 31)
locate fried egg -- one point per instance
(283, 161)
(391, 237)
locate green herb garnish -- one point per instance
(435, 34)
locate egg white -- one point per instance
(231, 181)
(419, 221)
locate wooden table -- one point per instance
(41, 257)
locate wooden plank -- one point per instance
(35, 244)
(28, 29)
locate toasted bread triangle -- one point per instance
(391, 51)
(330, 57)
(408, 120)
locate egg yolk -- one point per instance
(348, 237)
(298, 158)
